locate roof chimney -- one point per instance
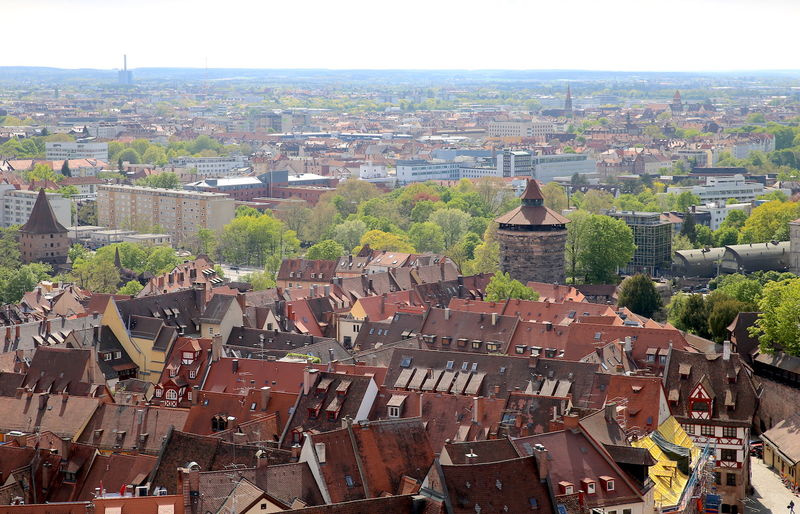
(477, 409)
(195, 394)
(610, 411)
(320, 449)
(628, 344)
(570, 421)
(726, 350)
(542, 462)
(494, 318)
(309, 377)
(447, 313)
(235, 365)
(265, 394)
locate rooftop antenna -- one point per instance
(125, 62)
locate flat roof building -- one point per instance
(180, 213)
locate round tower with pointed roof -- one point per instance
(532, 239)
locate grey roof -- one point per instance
(697, 263)
(216, 308)
(772, 256)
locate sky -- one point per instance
(625, 35)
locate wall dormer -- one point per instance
(700, 403)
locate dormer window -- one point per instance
(566, 487)
(188, 358)
(608, 483)
(589, 485)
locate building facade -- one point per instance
(418, 170)
(720, 189)
(548, 167)
(71, 150)
(211, 166)
(653, 239)
(514, 163)
(531, 129)
(16, 206)
(180, 213)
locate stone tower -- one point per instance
(532, 239)
(43, 238)
(677, 102)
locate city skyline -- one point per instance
(618, 35)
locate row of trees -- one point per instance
(144, 151)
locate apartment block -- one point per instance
(179, 213)
(418, 170)
(17, 206)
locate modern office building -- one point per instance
(514, 163)
(17, 206)
(70, 150)
(653, 240)
(418, 170)
(547, 167)
(720, 189)
(179, 213)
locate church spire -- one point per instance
(568, 100)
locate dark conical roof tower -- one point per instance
(43, 219)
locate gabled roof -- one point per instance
(532, 212)
(502, 486)
(42, 219)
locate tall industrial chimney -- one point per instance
(125, 62)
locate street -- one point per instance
(770, 494)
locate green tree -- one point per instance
(502, 287)
(77, 251)
(132, 287)
(251, 240)
(555, 196)
(9, 248)
(776, 326)
(607, 245)
(14, 283)
(155, 154)
(685, 200)
(576, 238)
(205, 242)
(638, 293)
(379, 240)
(96, 275)
(453, 222)
(735, 220)
(740, 288)
(163, 180)
(65, 169)
(689, 228)
(161, 259)
(349, 233)
(130, 156)
(704, 236)
(596, 202)
(721, 315)
(681, 242)
(260, 280)
(725, 236)
(328, 250)
(694, 315)
(769, 221)
(427, 237)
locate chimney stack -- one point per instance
(195, 394)
(477, 409)
(262, 462)
(610, 411)
(235, 365)
(216, 347)
(309, 377)
(726, 350)
(628, 344)
(494, 318)
(542, 462)
(265, 394)
(447, 313)
(570, 421)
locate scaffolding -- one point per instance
(653, 240)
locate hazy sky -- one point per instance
(512, 34)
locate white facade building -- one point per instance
(534, 129)
(720, 189)
(211, 166)
(418, 170)
(367, 171)
(514, 163)
(548, 167)
(719, 211)
(70, 150)
(18, 204)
